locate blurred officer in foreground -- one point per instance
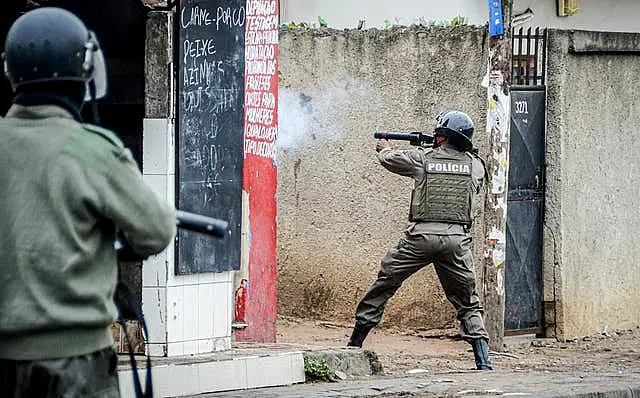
(68, 187)
(447, 177)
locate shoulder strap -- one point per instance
(123, 293)
(425, 153)
(427, 150)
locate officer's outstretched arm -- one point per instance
(407, 163)
(147, 222)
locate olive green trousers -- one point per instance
(453, 262)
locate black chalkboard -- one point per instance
(210, 129)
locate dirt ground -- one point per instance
(442, 350)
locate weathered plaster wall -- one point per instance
(618, 15)
(338, 209)
(593, 182)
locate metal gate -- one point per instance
(525, 204)
(525, 200)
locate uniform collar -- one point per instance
(38, 112)
(447, 147)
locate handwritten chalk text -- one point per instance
(198, 48)
(195, 16)
(230, 17)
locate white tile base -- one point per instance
(191, 378)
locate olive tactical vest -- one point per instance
(445, 194)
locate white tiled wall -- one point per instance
(199, 313)
(175, 312)
(205, 315)
(157, 350)
(223, 308)
(155, 313)
(155, 269)
(186, 314)
(158, 147)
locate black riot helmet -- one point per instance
(457, 127)
(50, 44)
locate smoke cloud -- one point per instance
(304, 117)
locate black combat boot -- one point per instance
(360, 333)
(481, 354)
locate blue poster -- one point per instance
(496, 27)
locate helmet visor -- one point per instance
(96, 67)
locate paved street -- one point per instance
(416, 364)
(463, 384)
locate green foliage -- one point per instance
(294, 25)
(305, 25)
(458, 20)
(431, 22)
(282, 320)
(317, 369)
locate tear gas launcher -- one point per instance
(184, 220)
(203, 224)
(415, 137)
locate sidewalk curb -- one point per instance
(349, 362)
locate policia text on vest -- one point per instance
(449, 168)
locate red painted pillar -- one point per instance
(260, 176)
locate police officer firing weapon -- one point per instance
(69, 188)
(446, 176)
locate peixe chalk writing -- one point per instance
(198, 48)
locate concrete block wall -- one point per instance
(593, 174)
(338, 209)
